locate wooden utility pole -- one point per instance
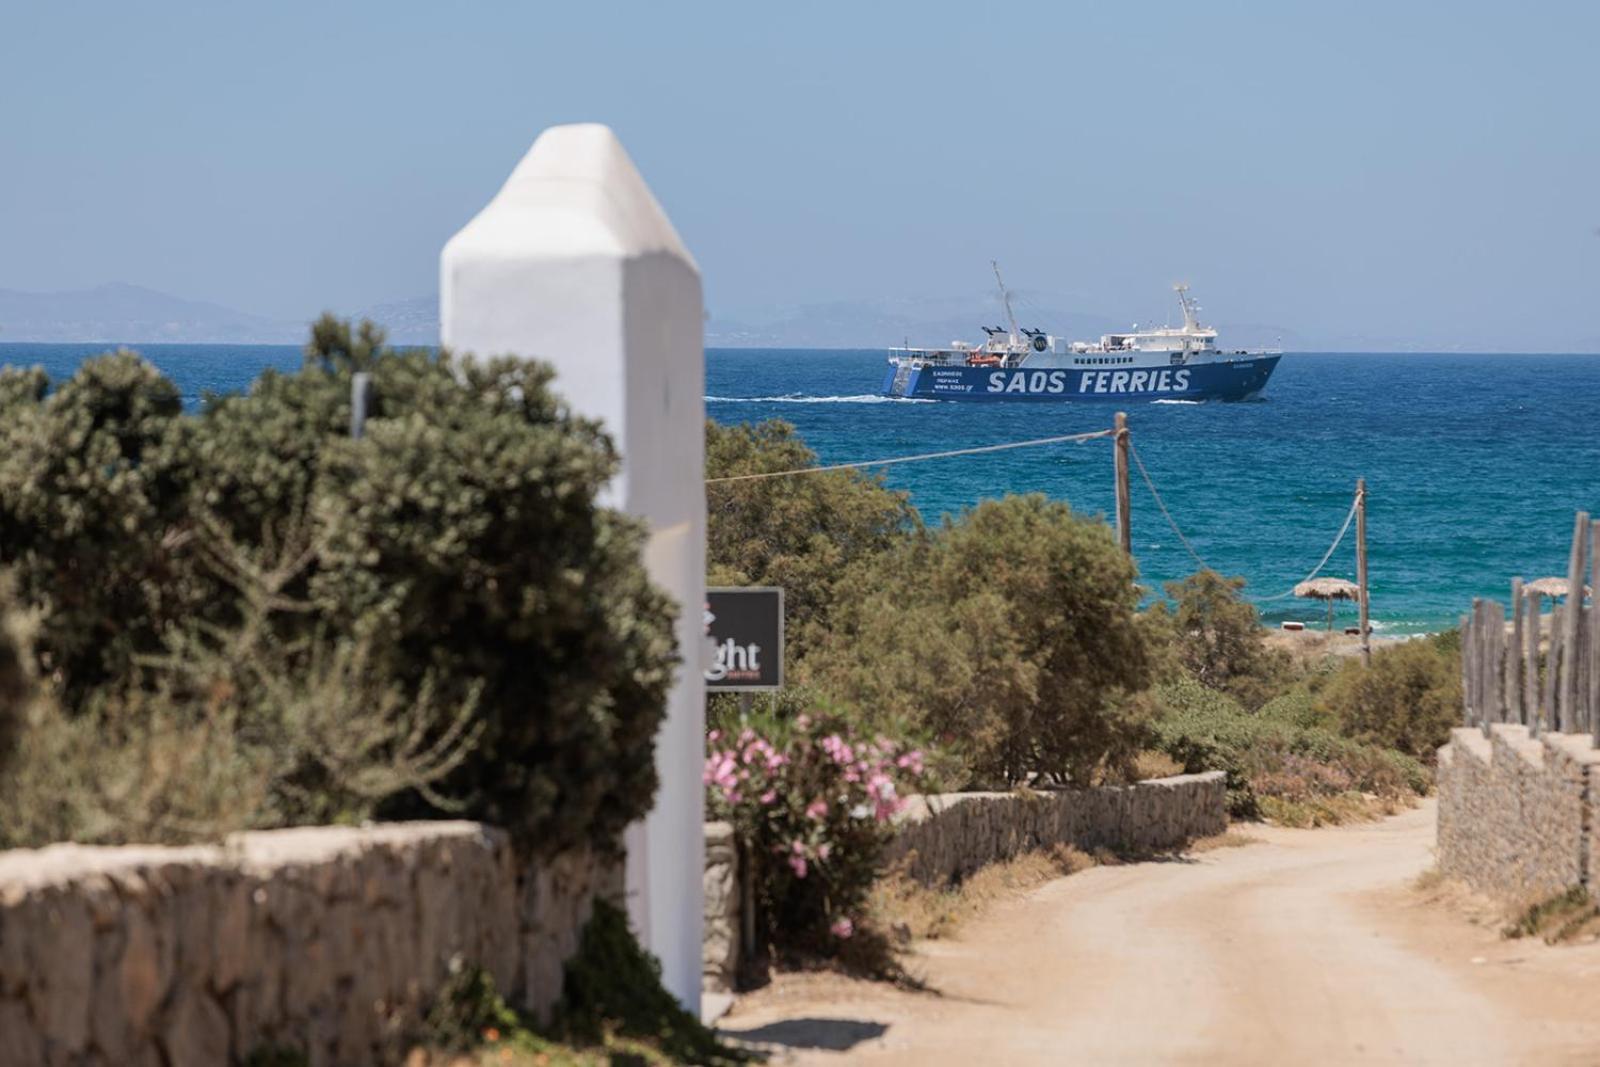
(1361, 570)
(1124, 498)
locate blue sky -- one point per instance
(1398, 169)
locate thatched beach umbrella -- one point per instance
(1329, 589)
(1551, 587)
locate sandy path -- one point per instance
(1308, 947)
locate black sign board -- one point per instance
(745, 628)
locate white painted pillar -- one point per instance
(574, 263)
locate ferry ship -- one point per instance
(1169, 363)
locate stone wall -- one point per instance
(720, 953)
(1516, 814)
(942, 839)
(329, 941)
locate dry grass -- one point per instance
(914, 912)
(1567, 918)
(1307, 812)
(1153, 764)
(1563, 919)
(910, 911)
(1227, 839)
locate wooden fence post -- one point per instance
(1592, 653)
(1473, 650)
(1494, 668)
(1518, 712)
(1571, 627)
(1530, 663)
(1552, 655)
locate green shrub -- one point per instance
(1206, 730)
(613, 1010)
(1297, 707)
(450, 571)
(92, 498)
(17, 682)
(1408, 699)
(800, 533)
(1009, 635)
(1219, 640)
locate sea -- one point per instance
(1475, 464)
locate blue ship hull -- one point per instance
(1232, 380)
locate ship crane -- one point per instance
(1005, 298)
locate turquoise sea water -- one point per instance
(1474, 464)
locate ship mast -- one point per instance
(1005, 298)
(1190, 323)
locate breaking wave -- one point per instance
(1172, 401)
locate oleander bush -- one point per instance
(811, 800)
(437, 617)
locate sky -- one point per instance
(1393, 170)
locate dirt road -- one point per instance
(1308, 947)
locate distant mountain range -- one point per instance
(933, 321)
(132, 314)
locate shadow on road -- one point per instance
(833, 1035)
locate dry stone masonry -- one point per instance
(941, 839)
(1516, 813)
(327, 941)
(944, 838)
(720, 958)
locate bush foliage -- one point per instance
(1219, 641)
(800, 533)
(811, 800)
(1407, 700)
(1009, 634)
(435, 617)
(17, 680)
(1271, 757)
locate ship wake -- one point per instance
(800, 398)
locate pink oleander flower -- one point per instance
(838, 749)
(798, 865)
(823, 850)
(768, 797)
(713, 737)
(911, 761)
(843, 928)
(802, 722)
(817, 809)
